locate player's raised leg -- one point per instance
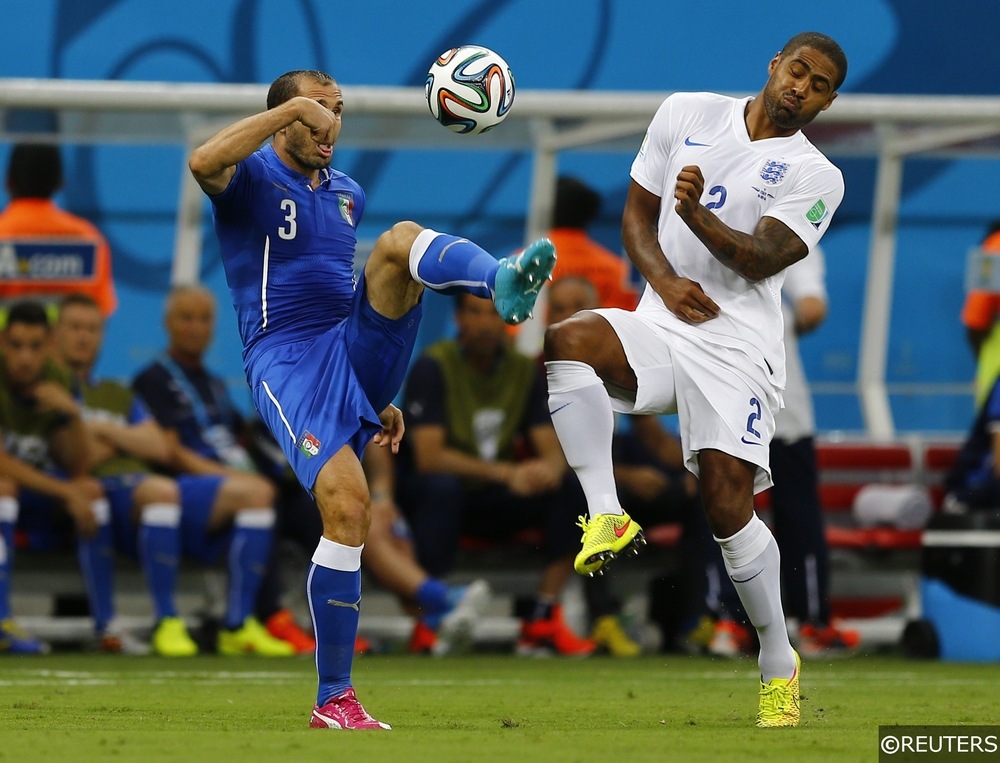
(581, 354)
(408, 257)
(333, 588)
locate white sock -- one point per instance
(754, 565)
(576, 389)
(337, 556)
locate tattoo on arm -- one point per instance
(771, 248)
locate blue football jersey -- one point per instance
(288, 250)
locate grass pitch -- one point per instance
(479, 708)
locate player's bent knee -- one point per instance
(346, 522)
(255, 491)
(394, 245)
(567, 340)
(156, 489)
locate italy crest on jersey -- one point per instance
(346, 203)
(773, 172)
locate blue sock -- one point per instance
(449, 264)
(159, 554)
(6, 559)
(8, 518)
(433, 598)
(333, 589)
(97, 564)
(249, 554)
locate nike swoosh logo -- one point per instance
(346, 604)
(280, 187)
(564, 405)
(620, 531)
(745, 441)
(689, 142)
(747, 580)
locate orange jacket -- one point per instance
(981, 307)
(42, 220)
(579, 255)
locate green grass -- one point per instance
(80, 708)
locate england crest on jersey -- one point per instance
(773, 172)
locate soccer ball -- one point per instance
(469, 89)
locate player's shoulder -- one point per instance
(154, 373)
(701, 99)
(342, 181)
(58, 374)
(818, 163)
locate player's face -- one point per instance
(567, 298)
(78, 335)
(300, 145)
(25, 349)
(480, 329)
(800, 86)
(190, 323)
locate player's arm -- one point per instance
(771, 248)
(546, 471)
(682, 296)
(186, 461)
(27, 476)
(214, 162)
(379, 472)
(75, 494)
(70, 445)
(145, 441)
(810, 312)
(433, 455)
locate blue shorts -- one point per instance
(321, 394)
(43, 524)
(198, 493)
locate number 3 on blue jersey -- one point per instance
(288, 233)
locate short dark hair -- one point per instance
(28, 312)
(79, 299)
(577, 204)
(825, 45)
(286, 86)
(34, 171)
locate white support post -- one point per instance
(541, 200)
(186, 267)
(878, 296)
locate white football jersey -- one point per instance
(784, 178)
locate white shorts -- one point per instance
(723, 400)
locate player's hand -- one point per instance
(322, 123)
(533, 477)
(51, 396)
(392, 428)
(686, 299)
(687, 192)
(646, 482)
(80, 496)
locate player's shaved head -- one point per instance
(287, 86)
(182, 293)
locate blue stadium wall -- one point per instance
(894, 46)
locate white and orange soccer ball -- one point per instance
(469, 89)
